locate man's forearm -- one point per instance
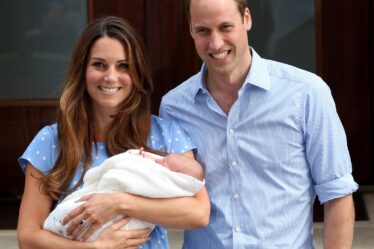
(339, 221)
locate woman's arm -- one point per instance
(179, 212)
(36, 206)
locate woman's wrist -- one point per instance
(97, 245)
(123, 201)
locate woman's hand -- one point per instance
(114, 237)
(35, 208)
(97, 210)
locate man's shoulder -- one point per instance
(162, 123)
(294, 75)
(186, 89)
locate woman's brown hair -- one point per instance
(76, 127)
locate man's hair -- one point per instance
(242, 4)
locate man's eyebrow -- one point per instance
(199, 27)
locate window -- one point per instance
(284, 31)
(35, 45)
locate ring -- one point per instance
(82, 222)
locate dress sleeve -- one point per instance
(326, 145)
(41, 152)
(180, 141)
(167, 135)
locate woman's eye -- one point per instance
(99, 65)
(124, 66)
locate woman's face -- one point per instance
(107, 77)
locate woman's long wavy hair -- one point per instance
(76, 126)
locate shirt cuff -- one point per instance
(337, 188)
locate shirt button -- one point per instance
(237, 229)
(231, 131)
(236, 196)
(234, 163)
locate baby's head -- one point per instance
(175, 162)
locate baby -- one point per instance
(175, 162)
(135, 172)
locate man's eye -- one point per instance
(226, 27)
(201, 31)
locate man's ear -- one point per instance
(247, 19)
(190, 28)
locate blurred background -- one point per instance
(333, 39)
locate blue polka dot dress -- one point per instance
(165, 135)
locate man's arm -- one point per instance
(339, 221)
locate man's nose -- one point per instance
(216, 41)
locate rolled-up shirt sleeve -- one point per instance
(336, 188)
(326, 145)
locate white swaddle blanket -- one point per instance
(126, 172)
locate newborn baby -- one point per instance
(135, 172)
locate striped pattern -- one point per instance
(281, 144)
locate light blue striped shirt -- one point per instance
(280, 145)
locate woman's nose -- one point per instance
(111, 75)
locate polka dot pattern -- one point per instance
(165, 135)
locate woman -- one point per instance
(104, 110)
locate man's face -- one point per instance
(220, 34)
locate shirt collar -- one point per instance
(198, 85)
(258, 75)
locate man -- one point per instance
(268, 137)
